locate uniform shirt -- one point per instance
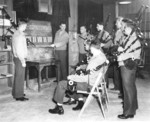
(61, 40)
(104, 35)
(118, 37)
(128, 54)
(92, 64)
(81, 40)
(19, 45)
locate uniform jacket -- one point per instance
(61, 40)
(92, 64)
(128, 54)
(19, 45)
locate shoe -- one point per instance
(21, 99)
(57, 110)
(69, 102)
(122, 116)
(79, 106)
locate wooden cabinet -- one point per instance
(6, 65)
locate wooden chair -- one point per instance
(99, 91)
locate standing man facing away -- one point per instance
(60, 43)
(19, 48)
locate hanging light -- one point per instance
(124, 2)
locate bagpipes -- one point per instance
(136, 29)
(88, 37)
(13, 25)
(103, 32)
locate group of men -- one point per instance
(128, 52)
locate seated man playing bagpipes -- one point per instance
(82, 81)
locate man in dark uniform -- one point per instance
(127, 62)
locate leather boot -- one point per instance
(57, 110)
(79, 106)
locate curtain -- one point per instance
(61, 12)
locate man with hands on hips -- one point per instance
(19, 48)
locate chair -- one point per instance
(98, 90)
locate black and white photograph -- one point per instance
(74, 60)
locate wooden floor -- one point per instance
(36, 109)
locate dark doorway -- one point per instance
(89, 13)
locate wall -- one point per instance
(109, 9)
(73, 19)
(133, 7)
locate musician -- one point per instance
(116, 70)
(60, 43)
(127, 62)
(83, 81)
(81, 39)
(118, 34)
(19, 48)
(103, 38)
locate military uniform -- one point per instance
(129, 74)
(82, 51)
(82, 80)
(19, 47)
(116, 70)
(102, 37)
(61, 41)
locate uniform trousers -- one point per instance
(61, 55)
(129, 91)
(117, 78)
(19, 77)
(61, 88)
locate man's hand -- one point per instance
(120, 49)
(23, 64)
(69, 77)
(102, 44)
(52, 45)
(78, 68)
(120, 58)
